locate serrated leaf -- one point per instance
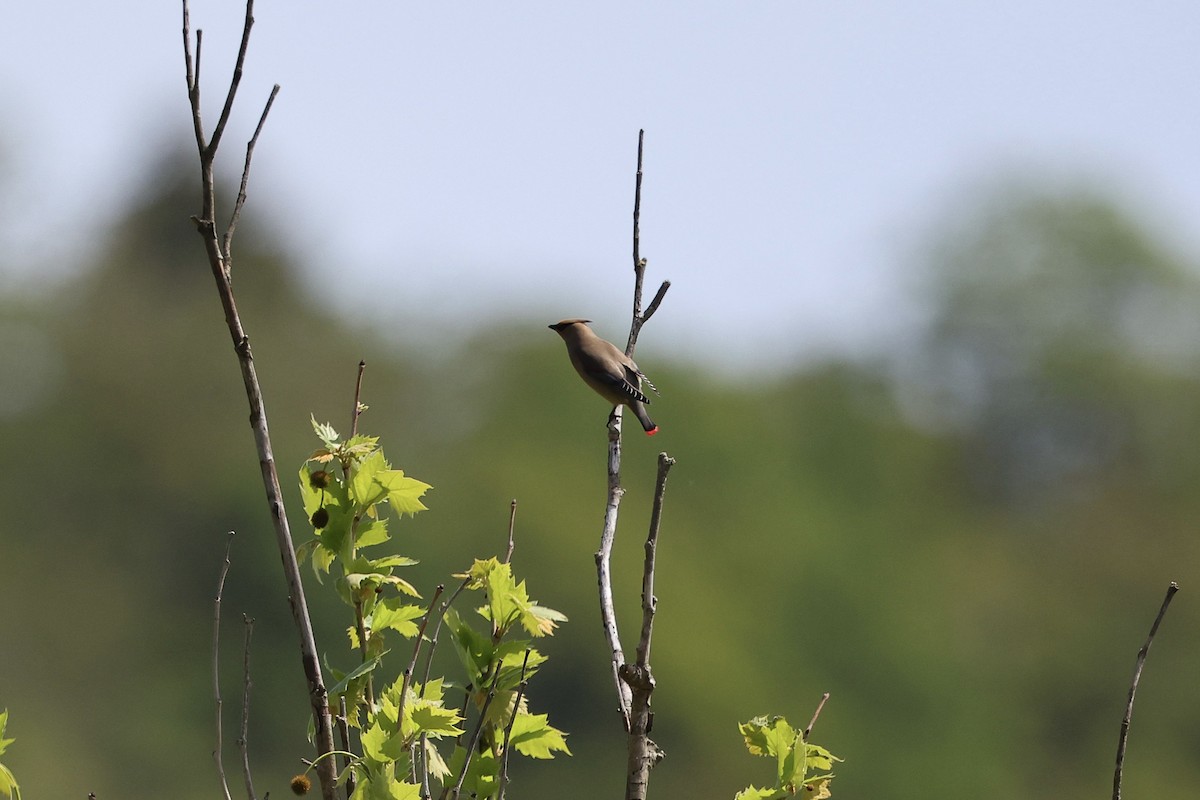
(381, 744)
(392, 614)
(533, 736)
(374, 532)
(325, 433)
(364, 489)
(403, 493)
(393, 561)
(435, 765)
(767, 737)
(436, 722)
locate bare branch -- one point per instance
(475, 734)
(192, 73)
(608, 614)
(512, 719)
(358, 406)
(241, 195)
(218, 263)
(643, 753)
(243, 739)
(603, 556)
(1137, 676)
(420, 637)
(649, 601)
(237, 79)
(512, 518)
(216, 666)
(812, 722)
(343, 729)
(639, 264)
(658, 298)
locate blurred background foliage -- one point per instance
(964, 541)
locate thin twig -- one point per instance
(512, 719)
(1137, 676)
(343, 728)
(475, 734)
(227, 239)
(358, 406)
(658, 298)
(649, 601)
(643, 753)
(639, 263)
(640, 317)
(235, 80)
(608, 615)
(512, 518)
(216, 666)
(244, 737)
(603, 556)
(412, 663)
(218, 262)
(812, 722)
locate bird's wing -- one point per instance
(627, 386)
(637, 378)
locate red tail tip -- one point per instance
(652, 431)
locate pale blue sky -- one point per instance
(455, 160)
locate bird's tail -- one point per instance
(648, 425)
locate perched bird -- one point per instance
(605, 368)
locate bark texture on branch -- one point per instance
(218, 248)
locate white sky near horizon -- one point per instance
(441, 162)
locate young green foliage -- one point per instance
(799, 765)
(346, 488)
(8, 783)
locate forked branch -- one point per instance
(634, 682)
(219, 251)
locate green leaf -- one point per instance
(378, 782)
(483, 774)
(8, 783)
(434, 721)
(394, 561)
(393, 614)
(381, 744)
(361, 669)
(374, 532)
(4, 743)
(751, 793)
(403, 493)
(434, 763)
(365, 491)
(533, 736)
(325, 432)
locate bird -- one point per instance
(605, 368)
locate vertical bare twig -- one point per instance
(524, 684)
(243, 739)
(358, 406)
(643, 753)
(218, 756)
(1137, 676)
(343, 729)
(475, 734)
(634, 682)
(220, 260)
(512, 519)
(412, 664)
